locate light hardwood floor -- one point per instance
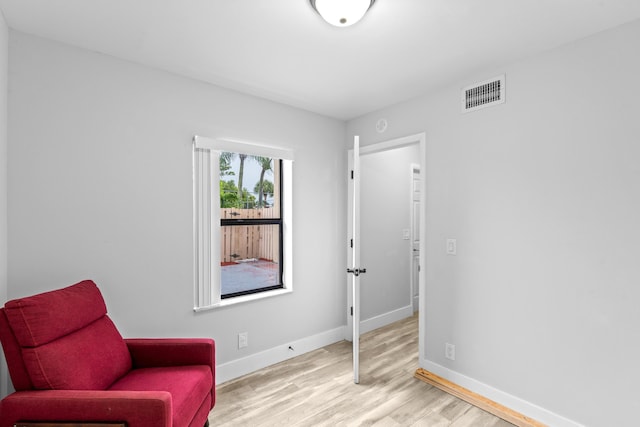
(317, 389)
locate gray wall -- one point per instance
(385, 203)
(100, 187)
(4, 61)
(542, 194)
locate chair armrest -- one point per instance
(135, 408)
(160, 352)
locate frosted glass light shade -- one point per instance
(342, 13)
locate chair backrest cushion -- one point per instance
(68, 342)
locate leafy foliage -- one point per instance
(230, 194)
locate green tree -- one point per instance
(226, 158)
(243, 198)
(225, 163)
(229, 194)
(266, 165)
(248, 200)
(241, 174)
(240, 197)
(265, 190)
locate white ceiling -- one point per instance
(283, 51)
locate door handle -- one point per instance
(356, 271)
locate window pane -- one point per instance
(251, 224)
(247, 183)
(250, 258)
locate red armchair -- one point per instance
(69, 364)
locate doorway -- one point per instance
(390, 232)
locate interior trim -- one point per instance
(477, 400)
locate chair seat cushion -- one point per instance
(189, 386)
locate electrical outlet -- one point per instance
(450, 351)
(243, 339)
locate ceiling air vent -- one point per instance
(483, 94)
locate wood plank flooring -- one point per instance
(317, 389)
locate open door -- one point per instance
(353, 239)
(354, 268)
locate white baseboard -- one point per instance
(239, 367)
(243, 366)
(512, 402)
(385, 319)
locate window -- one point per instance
(242, 221)
(251, 224)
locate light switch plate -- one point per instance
(451, 247)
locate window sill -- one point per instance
(244, 298)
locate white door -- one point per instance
(415, 234)
(353, 241)
(354, 269)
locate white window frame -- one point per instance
(206, 219)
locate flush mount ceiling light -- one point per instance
(342, 13)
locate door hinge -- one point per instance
(351, 174)
(352, 310)
(351, 243)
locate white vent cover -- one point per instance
(483, 94)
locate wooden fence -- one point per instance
(241, 242)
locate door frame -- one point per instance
(412, 229)
(420, 140)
